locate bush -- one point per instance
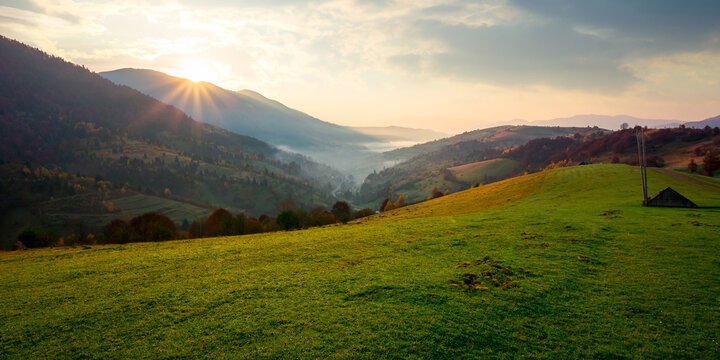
(363, 213)
(321, 218)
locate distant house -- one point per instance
(670, 198)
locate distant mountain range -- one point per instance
(249, 113)
(602, 121)
(711, 122)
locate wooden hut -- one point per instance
(670, 198)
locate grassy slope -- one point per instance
(477, 171)
(609, 279)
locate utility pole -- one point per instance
(640, 136)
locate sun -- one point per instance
(196, 71)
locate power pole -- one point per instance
(640, 136)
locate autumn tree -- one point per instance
(219, 223)
(692, 166)
(383, 204)
(196, 230)
(711, 163)
(118, 232)
(152, 226)
(389, 206)
(400, 201)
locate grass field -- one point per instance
(477, 172)
(583, 271)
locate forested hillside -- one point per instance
(59, 118)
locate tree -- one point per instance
(692, 166)
(342, 212)
(288, 219)
(400, 201)
(152, 226)
(389, 206)
(195, 230)
(711, 163)
(219, 223)
(624, 126)
(118, 232)
(383, 204)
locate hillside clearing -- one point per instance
(602, 277)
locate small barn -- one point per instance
(670, 198)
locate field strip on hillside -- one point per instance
(687, 179)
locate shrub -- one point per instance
(435, 193)
(320, 218)
(363, 213)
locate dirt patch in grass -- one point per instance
(611, 214)
(488, 274)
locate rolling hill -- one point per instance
(558, 264)
(249, 113)
(415, 170)
(69, 132)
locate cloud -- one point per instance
(591, 45)
(661, 25)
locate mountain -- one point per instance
(73, 137)
(711, 122)
(602, 121)
(249, 113)
(415, 170)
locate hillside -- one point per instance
(578, 270)
(70, 132)
(669, 147)
(415, 170)
(249, 113)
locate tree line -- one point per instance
(154, 227)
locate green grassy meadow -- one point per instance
(586, 273)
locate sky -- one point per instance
(447, 65)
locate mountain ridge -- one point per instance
(251, 113)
